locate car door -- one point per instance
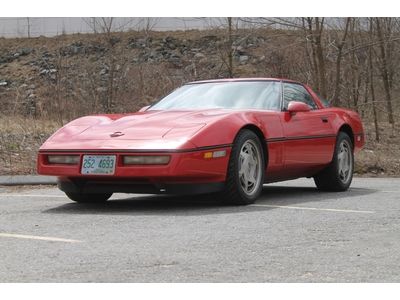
(309, 136)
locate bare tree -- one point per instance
(28, 22)
(230, 46)
(314, 29)
(384, 31)
(105, 26)
(147, 25)
(372, 84)
(225, 47)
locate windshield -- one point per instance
(233, 95)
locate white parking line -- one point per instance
(31, 195)
(314, 208)
(35, 237)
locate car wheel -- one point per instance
(245, 175)
(88, 198)
(339, 174)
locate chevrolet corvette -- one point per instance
(225, 136)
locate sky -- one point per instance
(18, 27)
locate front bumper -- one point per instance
(78, 185)
(184, 168)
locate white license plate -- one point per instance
(98, 164)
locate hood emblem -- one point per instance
(116, 134)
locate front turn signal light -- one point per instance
(215, 154)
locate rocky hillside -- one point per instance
(41, 76)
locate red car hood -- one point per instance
(143, 130)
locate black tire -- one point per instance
(88, 198)
(234, 191)
(333, 178)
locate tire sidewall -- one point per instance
(88, 198)
(343, 136)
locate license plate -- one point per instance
(98, 164)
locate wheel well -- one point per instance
(261, 136)
(347, 129)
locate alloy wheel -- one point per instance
(250, 171)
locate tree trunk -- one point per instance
(313, 59)
(371, 74)
(28, 20)
(336, 94)
(319, 26)
(385, 71)
(314, 30)
(230, 50)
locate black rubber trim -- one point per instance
(272, 140)
(95, 187)
(138, 150)
(235, 80)
(295, 138)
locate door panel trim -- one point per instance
(307, 137)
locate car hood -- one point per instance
(165, 129)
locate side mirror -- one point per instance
(144, 108)
(296, 106)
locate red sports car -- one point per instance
(229, 136)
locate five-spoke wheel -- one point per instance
(245, 176)
(249, 167)
(345, 161)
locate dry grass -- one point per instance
(20, 139)
(18, 124)
(380, 158)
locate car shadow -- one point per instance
(204, 204)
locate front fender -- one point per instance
(224, 130)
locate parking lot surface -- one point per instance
(293, 233)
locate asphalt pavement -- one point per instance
(294, 233)
(17, 180)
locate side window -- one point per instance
(296, 92)
(324, 102)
